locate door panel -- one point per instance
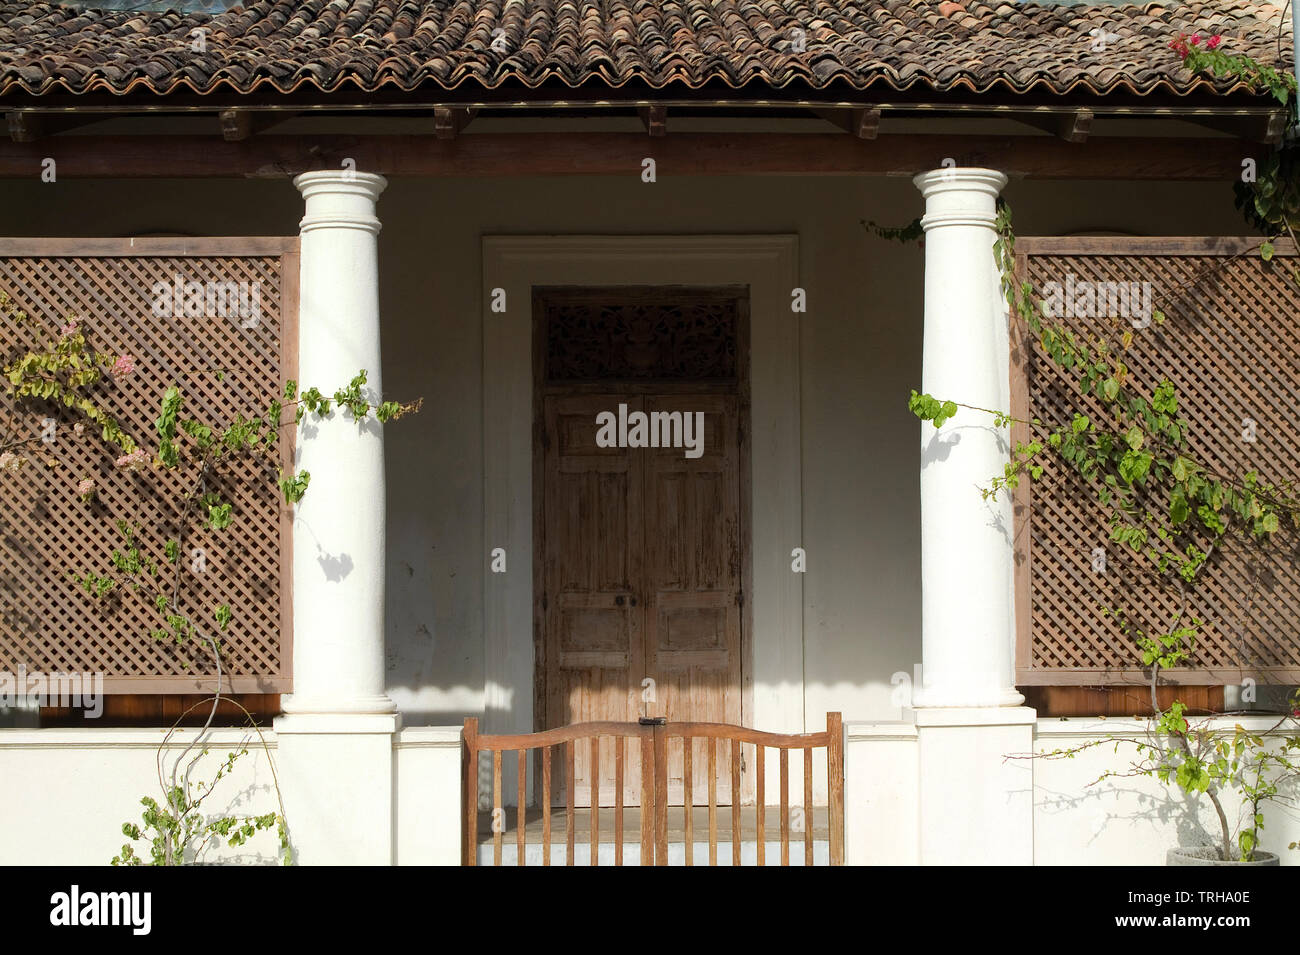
(593, 568)
(692, 572)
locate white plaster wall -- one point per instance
(859, 348)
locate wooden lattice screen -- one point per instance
(231, 358)
(1231, 345)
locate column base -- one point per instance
(336, 775)
(977, 806)
(963, 698)
(379, 704)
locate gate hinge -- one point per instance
(653, 721)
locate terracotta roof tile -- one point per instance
(284, 45)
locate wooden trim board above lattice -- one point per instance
(1230, 343)
(230, 352)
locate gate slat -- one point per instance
(618, 800)
(647, 800)
(521, 820)
(807, 807)
(568, 817)
(735, 802)
(760, 758)
(785, 806)
(496, 808)
(661, 795)
(688, 797)
(546, 805)
(713, 800)
(595, 800)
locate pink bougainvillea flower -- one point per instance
(78, 429)
(1213, 41)
(11, 462)
(134, 461)
(85, 488)
(68, 329)
(124, 365)
(1179, 45)
(1196, 39)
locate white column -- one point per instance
(966, 543)
(975, 805)
(335, 745)
(338, 541)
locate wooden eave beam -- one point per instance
(449, 121)
(864, 123)
(614, 154)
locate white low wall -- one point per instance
(881, 794)
(65, 793)
(1129, 821)
(1076, 819)
(429, 796)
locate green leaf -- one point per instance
(1266, 251)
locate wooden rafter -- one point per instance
(864, 123)
(655, 119)
(449, 121)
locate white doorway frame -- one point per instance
(768, 264)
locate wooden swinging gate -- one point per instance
(661, 745)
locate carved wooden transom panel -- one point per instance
(661, 333)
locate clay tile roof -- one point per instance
(750, 45)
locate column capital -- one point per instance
(956, 196)
(340, 199)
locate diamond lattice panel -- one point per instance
(1231, 346)
(225, 364)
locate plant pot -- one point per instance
(1209, 855)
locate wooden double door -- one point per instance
(642, 574)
